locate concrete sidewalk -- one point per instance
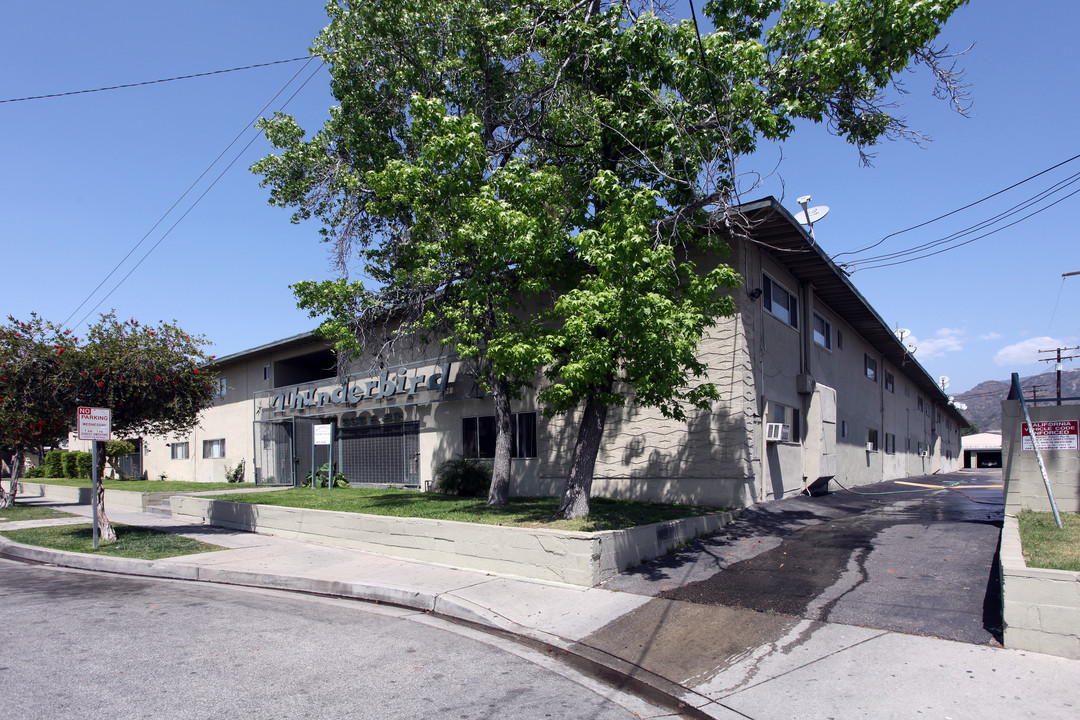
(799, 668)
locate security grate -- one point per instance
(273, 453)
(380, 454)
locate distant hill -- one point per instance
(984, 400)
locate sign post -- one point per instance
(322, 435)
(95, 425)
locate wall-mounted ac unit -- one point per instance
(777, 432)
(870, 447)
(924, 453)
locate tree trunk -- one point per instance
(578, 490)
(7, 499)
(499, 493)
(106, 532)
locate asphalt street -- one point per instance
(914, 556)
(76, 645)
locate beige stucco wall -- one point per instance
(1024, 487)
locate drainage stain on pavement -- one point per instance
(688, 643)
(782, 579)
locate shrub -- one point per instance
(119, 448)
(84, 462)
(68, 461)
(236, 474)
(323, 473)
(54, 463)
(36, 472)
(468, 477)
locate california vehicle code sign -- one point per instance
(95, 423)
(1051, 435)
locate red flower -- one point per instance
(101, 384)
(196, 371)
(158, 377)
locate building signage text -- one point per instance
(1051, 435)
(389, 384)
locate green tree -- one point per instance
(615, 130)
(35, 378)
(154, 379)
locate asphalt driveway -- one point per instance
(915, 556)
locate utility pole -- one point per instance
(1058, 363)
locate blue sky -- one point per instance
(85, 177)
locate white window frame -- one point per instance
(773, 294)
(213, 449)
(179, 451)
(823, 338)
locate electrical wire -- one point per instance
(153, 82)
(960, 209)
(197, 200)
(967, 242)
(1017, 208)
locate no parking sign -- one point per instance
(95, 424)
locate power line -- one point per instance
(966, 242)
(960, 209)
(153, 82)
(185, 194)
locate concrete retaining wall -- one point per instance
(576, 558)
(1041, 607)
(114, 499)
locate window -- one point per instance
(890, 381)
(266, 372)
(788, 417)
(839, 340)
(213, 448)
(478, 435)
(822, 332)
(178, 451)
(779, 302)
(870, 367)
(871, 440)
(919, 403)
(890, 444)
(222, 387)
(843, 428)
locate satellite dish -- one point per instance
(943, 381)
(809, 216)
(902, 333)
(960, 406)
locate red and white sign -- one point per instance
(95, 424)
(1051, 435)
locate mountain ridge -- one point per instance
(984, 400)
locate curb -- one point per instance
(585, 659)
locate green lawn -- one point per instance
(29, 512)
(523, 512)
(1046, 545)
(131, 542)
(142, 485)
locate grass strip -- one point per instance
(131, 542)
(534, 512)
(142, 485)
(30, 512)
(1047, 546)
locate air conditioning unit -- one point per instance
(924, 453)
(777, 432)
(870, 447)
